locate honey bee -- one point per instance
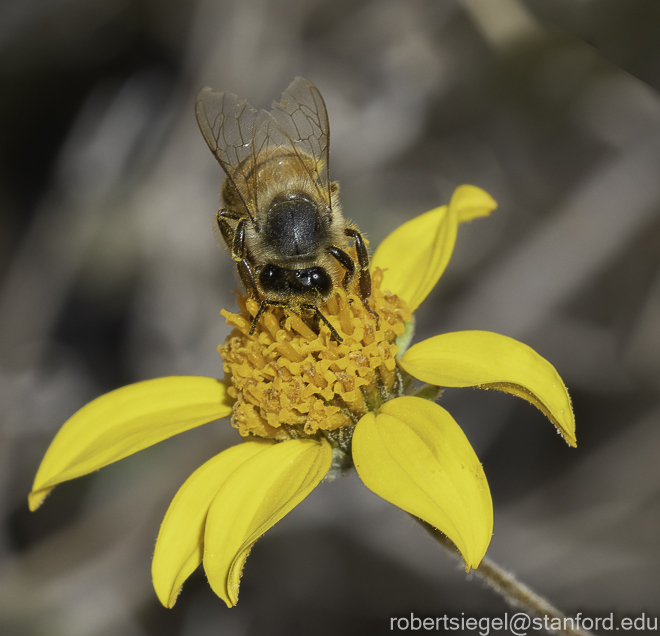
(281, 219)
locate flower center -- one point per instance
(292, 378)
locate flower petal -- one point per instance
(253, 499)
(471, 203)
(414, 455)
(180, 543)
(416, 254)
(125, 421)
(491, 361)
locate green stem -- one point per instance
(513, 591)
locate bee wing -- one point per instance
(229, 126)
(301, 123)
(240, 136)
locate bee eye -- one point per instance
(319, 279)
(269, 272)
(308, 282)
(273, 277)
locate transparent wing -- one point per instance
(229, 126)
(243, 138)
(301, 123)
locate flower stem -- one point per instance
(513, 591)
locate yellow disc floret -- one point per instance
(292, 378)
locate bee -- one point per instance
(281, 218)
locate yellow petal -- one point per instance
(253, 499)
(180, 543)
(471, 203)
(414, 455)
(416, 254)
(125, 421)
(491, 361)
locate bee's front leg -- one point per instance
(363, 265)
(234, 237)
(226, 230)
(327, 323)
(235, 240)
(363, 262)
(346, 262)
(247, 278)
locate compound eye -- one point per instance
(274, 278)
(269, 273)
(321, 280)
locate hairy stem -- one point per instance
(513, 591)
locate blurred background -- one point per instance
(109, 274)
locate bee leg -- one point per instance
(236, 240)
(247, 278)
(363, 264)
(363, 261)
(264, 304)
(233, 237)
(230, 214)
(238, 244)
(316, 310)
(346, 262)
(226, 230)
(277, 303)
(262, 307)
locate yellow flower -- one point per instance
(309, 406)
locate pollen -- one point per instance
(292, 378)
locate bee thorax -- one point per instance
(294, 227)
